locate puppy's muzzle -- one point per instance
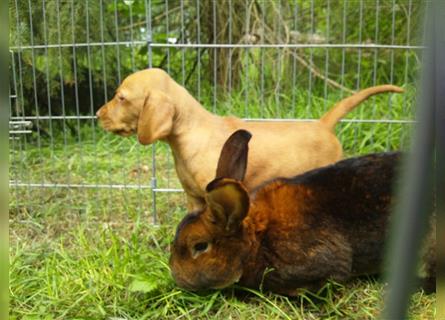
(101, 112)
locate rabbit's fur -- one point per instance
(329, 223)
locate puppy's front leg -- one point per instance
(194, 203)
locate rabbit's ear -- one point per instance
(228, 203)
(232, 161)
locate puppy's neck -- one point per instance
(190, 114)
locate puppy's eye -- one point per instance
(199, 248)
(121, 98)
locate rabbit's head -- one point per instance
(211, 246)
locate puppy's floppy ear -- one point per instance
(228, 203)
(156, 119)
(232, 161)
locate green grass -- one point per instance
(79, 253)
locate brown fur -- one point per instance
(329, 223)
(152, 105)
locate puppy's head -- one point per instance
(140, 106)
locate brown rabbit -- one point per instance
(329, 223)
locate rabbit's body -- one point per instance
(329, 223)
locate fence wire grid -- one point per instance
(259, 60)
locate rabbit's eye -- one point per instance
(199, 248)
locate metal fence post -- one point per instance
(415, 195)
(154, 182)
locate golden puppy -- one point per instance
(152, 105)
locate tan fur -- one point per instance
(152, 105)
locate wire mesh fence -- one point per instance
(258, 60)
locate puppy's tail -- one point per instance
(341, 109)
